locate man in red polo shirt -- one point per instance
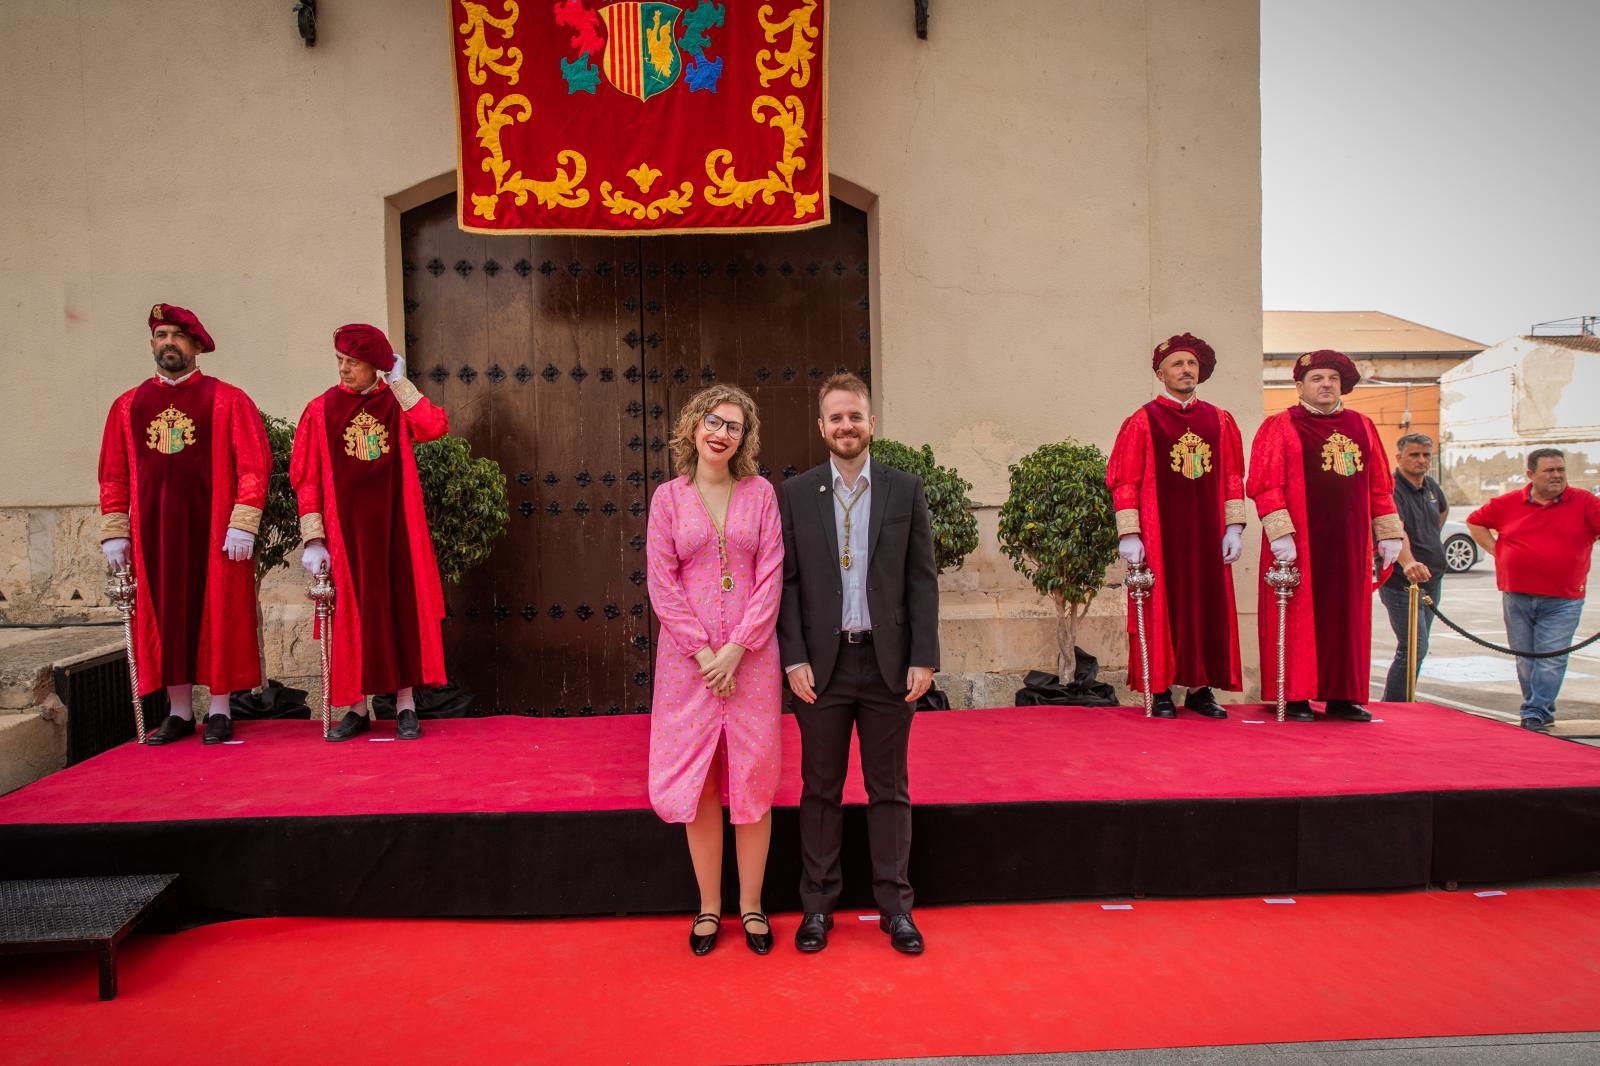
(1540, 537)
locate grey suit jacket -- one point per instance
(902, 582)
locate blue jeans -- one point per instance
(1396, 600)
(1540, 623)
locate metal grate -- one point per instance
(74, 908)
(99, 705)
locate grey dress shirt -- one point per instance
(856, 615)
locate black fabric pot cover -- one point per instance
(275, 700)
(1041, 688)
(443, 701)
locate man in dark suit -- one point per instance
(859, 635)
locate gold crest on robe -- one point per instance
(366, 438)
(1342, 456)
(170, 432)
(1191, 456)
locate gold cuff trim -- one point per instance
(1277, 524)
(1127, 521)
(246, 518)
(115, 526)
(1233, 512)
(1388, 527)
(406, 393)
(311, 527)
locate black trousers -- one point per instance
(857, 697)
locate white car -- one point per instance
(1460, 550)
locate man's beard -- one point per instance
(857, 444)
(172, 361)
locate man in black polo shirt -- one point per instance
(1422, 508)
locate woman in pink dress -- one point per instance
(715, 564)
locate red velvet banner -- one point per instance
(588, 116)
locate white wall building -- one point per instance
(1521, 394)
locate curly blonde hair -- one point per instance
(685, 457)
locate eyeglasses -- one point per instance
(735, 430)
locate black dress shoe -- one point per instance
(1347, 711)
(410, 728)
(813, 932)
(903, 934)
(219, 727)
(1536, 725)
(174, 728)
(1298, 711)
(702, 943)
(1161, 705)
(351, 725)
(760, 943)
(1202, 702)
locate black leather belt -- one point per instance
(857, 636)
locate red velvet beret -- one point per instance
(1328, 359)
(1186, 342)
(183, 318)
(366, 343)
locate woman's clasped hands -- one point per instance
(718, 667)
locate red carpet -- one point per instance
(1008, 755)
(1015, 978)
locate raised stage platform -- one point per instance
(524, 816)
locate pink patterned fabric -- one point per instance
(687, 722)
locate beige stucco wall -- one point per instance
(1057, 186)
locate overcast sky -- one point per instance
(1435, 159)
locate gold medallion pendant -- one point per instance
(1342, 456)
(1191, 456)
(366, 438)
(170, 432)
(727, 582)
(844, 560)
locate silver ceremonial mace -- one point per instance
(320, 593)
(1283, 577)
(122, 588)
(1139, 582)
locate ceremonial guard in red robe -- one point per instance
(1176, 476)
(361, 514)
(183, 478)
(1321, 483)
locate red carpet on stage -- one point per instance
(998, 979)
(1006, 755)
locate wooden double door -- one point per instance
(566, 359)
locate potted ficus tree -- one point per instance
(955, 528)
(465, 497)
(1058, 527)
(277, 538)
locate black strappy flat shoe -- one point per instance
(760, 943)
(701, 944)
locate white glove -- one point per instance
(1232, 544)
(397, 371)
(238, 545)
(1131, 548)
(119, 551)
(1283, 549)
(1389, 551)
(315, 557)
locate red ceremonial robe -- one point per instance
(179, 465)
(1326, 479)
(355, 478)
(1176, 476)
